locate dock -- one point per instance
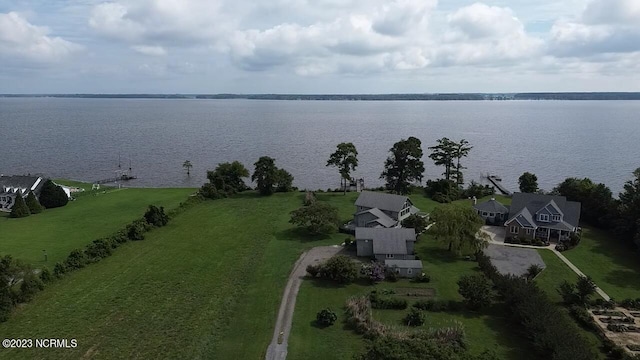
(496, 181)
(115, 179)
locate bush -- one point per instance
(568, 293)
(33, 204)
(379, 302)
(76, 260)
(52, 195)
(340, 269)
(45, 275)
(59, 269)
(533, 271)
(313, 270)
(29, 286)
(582, 316)
(561, 247)
(374, 271)
(477, 190)
(415, 317)
(442, 190)
(415, 221)
(422, 278)
(19, 209)
(155, 216)
(391, 275)
(433, 305)
(98, 249)
(326, 317)
(136, 230)
(476, 291)
(585, 287)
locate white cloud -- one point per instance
(605, 26)
(20, 39)
(150, 50)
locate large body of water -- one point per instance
(82, 138)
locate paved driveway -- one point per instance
(496, 233)
(513, 260)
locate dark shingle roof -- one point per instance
(22, 182)
(382, 201)
(387, 241)
(493, 206)
(533, 203)
(381, 218)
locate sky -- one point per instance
(318, 46)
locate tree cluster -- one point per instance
(18, 283)
(318, 217)
(417, 222)
(340, 269)
(225, 180)
(403, 166)
(551, 331)
(476, 291)
(269, 178)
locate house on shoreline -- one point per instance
(381, 210)
(394, 247)
(492, 211)
(18, 185)
(545, 217)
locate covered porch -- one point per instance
(552, 235)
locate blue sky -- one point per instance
(318, 46)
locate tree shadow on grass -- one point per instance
(299, 234)
(623, 278)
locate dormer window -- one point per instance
(555, 217)
(543, 217)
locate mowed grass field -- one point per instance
(208, 285)
(60, 230)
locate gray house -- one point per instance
(381, 210)
(12, 186)
(405, 268)
(545, 217)
(492, 211)
(386, 244)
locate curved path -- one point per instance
(277, 350)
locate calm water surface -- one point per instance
(81, 138)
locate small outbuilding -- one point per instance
(492, 211)
(405, 268)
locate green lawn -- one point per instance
(488, 330)
(60, 230)
(555, 272)
(611, 264)
(206, 286)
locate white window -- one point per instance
(543, 217)
(528, 231)
(389, 256)
(556, 217)
(409, 271)
(514, 229)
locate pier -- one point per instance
(496, 181)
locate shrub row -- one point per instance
(30, 282)
(631, 304)
(379, 302)
(552, 332)
(434, 305)
(525, 241)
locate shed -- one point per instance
(405, 268)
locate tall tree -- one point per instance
(598, 206)
(52, 195)
(345, 158)
(33, 204)
(459, 227)
(528, 183)
(284, 181)
(229, 177)
(265, 175)
(461, 149)
(629, 223)
(404, 165)
(187, 165)
(19, 209)
(442, 155)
